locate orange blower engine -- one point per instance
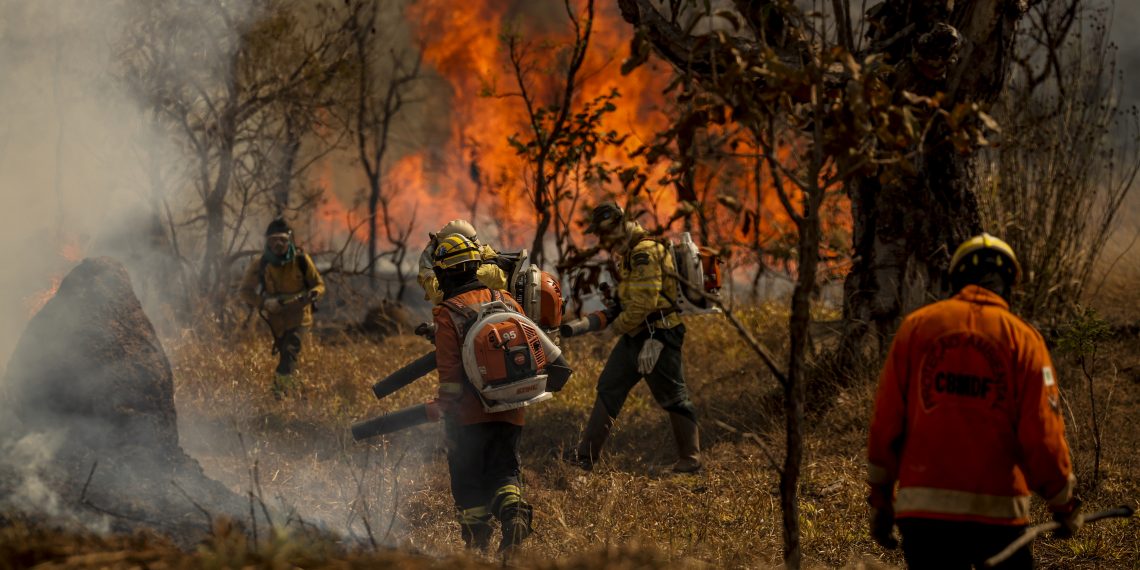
(538, 293)
(509, 359)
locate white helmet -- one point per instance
(462, 227)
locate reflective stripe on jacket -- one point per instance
(644, 278)
(967, 416)
(456, 394)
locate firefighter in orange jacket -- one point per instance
(967, 423)
(483, 447)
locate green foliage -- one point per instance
(1084, 334)
(577, 145)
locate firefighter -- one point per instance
(489, 273)
(483, 448)
(967, 423)
(282, 284)
(650, 337)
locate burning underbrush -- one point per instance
(294, 459)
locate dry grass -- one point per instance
(631, 511)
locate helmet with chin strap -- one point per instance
(454, 251)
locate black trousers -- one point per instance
(953, 545)
(482, 458)
(288, 347)
(666, 381)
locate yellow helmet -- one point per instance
(454, 250)
(973, 253)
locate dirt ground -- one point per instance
(726, 516)
(296, 458)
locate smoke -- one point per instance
(70, 140)
(1125, 20)
(75, 148)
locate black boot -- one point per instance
(476, 530)
(514, 515)
(593, 437)
(516, 520)
(688, 438)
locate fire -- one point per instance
(481, 172)
(478, 174)
(36, 301)
(70, 252)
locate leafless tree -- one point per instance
(957, 51)
(237, 83)
(1067, 160)
(549, 122)
(382, 84)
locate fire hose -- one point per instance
(1033, 532)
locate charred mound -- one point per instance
(388, 318)
(90, 376)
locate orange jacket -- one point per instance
(967, 418)
(456, 395)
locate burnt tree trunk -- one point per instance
(542, 205)
(794, 389)
(904, 233)
(289, 150)
(216, 216)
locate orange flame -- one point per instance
(36, 301)
(478, 174)
(70, 252)
(481, 172)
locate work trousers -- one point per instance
(666, 381)
(288, 346)
(953, 545)
(482, 458)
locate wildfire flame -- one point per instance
(478, 175)
(36, 301)
(70, 253)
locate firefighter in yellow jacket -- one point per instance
(282, 284)
(650, 338)
(967, 423)
(489, 273)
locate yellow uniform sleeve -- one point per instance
(492, 276)
(640, 291)
(313, 276)
(430, 284)
(250, 283)
(427, 277)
